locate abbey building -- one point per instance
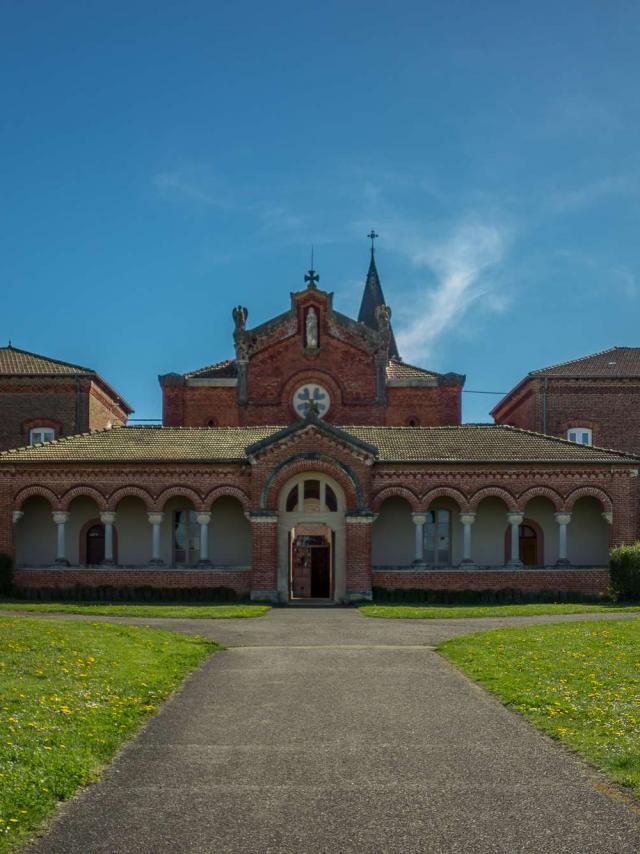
(315, 463)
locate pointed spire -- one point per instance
(372, 298)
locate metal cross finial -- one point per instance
(312, 278)
(372, 236)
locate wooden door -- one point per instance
(95, 545)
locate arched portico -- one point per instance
(311, 538)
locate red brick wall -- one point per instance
(240, 581)
(594, 581)
(358, 569)
(264, 554)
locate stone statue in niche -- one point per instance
(311, 329)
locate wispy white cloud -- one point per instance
(178, 185)
(595, 191)
(460, 266)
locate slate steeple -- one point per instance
(372, 298)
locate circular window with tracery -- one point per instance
(310, 393)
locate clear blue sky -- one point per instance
(162, 161)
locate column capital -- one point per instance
(108, 517)
(608, 517)
(467, 518)
(155, 518)
(16, 516)
(419, 518)
(562, 518)
(203, 518)
(60, 516)
(514, 517)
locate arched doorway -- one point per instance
(311, 539)
(530, 543)
(95, 544)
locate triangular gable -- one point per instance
(313, 422)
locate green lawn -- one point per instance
(70, 694)
(579, 682)
(451, 612)
(207, 612)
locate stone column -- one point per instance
(467, 520)
(203, 520)
(515, 520)
(418, 520)
(155, 520)
(108, 517)
(563, 520)
(61, 517)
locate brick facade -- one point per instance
(69, 405)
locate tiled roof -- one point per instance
(221, 370)
(615, 362)
(471, 443)
(15, 362)
(402, 371)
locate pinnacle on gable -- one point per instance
(372, 298)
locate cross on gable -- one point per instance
(312, 278)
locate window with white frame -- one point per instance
(41, 434)
(581, 435)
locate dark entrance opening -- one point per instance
(95, 545)
(310, 567)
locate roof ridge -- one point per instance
(579, 359)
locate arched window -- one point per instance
(581, 435)
(311, 495)
(41, 434)
(437, 538)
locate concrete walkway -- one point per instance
(325, 731)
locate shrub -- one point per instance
(6, 575)
(142, 594)
(624, 572)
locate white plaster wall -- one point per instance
(36, 534)
(542, 511)
(588, 534)
(229, 534)
(81, 510)
(393, 534)
(134, 532)
(487, 535)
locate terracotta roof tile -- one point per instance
(397, 370)
(15, 362)
(615, 362)
(471, 443)
(221, 370)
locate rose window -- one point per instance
(308, 394)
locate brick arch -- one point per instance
(300, 463)
(43, 491)
(589, 492)
(445, 492)
(395, 492)
(493, 492)
(540, 492)
(77, 491)
(173, 491)
(126, 492)
(226, 491)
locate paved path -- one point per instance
(326, 731)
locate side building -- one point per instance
(42, 399)
(594, 400)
